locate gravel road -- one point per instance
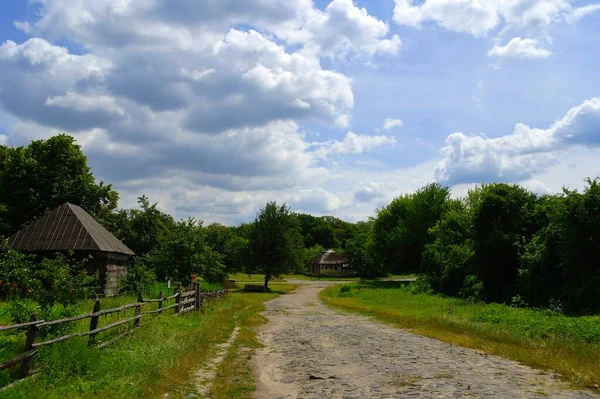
(312, 351)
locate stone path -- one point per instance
(312, 351)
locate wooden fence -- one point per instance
(184, 302)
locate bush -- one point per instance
(21, 310)
(345, 291)
(139, 279)
(471, 289)
(422, 285)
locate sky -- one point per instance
(214, 107)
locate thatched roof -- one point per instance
(329, 257)
(67, 227)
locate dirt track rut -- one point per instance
(312, 351)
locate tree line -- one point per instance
(500, 243)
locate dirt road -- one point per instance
(312, 351)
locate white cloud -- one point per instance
(344, 29)
(3, 139)
(390, 123)
(516, 157)
(352, 144)
(478, 17)
(581, 12)
(520, 48)
(197, 75)
(84, 103)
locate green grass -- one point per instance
(567, 345)
(243, 277)
(159, 358)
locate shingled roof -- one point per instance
(329, 257)
(67, 227)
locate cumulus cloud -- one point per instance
(515, 157)
(480, 17)
(343, 29)
(352, 144)
(520, 48)
(390, 123)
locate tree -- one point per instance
(503, 222)
(360, 253)
(231, 244)
(44, 175)
(185, 252)
(140, 229)
(401, 230)
(451, 248)
(275, 242)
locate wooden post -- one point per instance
(138, 310)
(160, 295)
(197, 296)
(32, 331)
(94, 323)
(177, 300)
(178, 289)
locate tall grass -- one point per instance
(158, 359)
(539, 338)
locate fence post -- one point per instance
(32, 331)
(160, 295)
(94, 323)
(177, 301)
(138, 310)
(197, 296)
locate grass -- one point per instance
(569, 346)
(243, 277)
(158, 358)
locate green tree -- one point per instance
(42, 176)
(185, 252)
(503, 221)
(360, 253)
(401, 229)
(275, 242)
(231, 244)
(451, 249)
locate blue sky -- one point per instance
(214, 107)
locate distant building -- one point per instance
(70, 228)
(329, 262)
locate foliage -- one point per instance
(275, 242)
(401, 229)
(503, 221)
(46, 281)
(139, 279)
(360, 252)
(230, 242)
(185, 252)
(345, 290)
(423, 285)
(44, 175)
(308, 255)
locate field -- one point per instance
(159, 358)
(539, 338)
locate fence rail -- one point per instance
(185, 302)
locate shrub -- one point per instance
(139, 279)
(345, 290)
(471, 289)
(21, 310)
(422, 285)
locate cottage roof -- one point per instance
(329, 257)
(67, 227)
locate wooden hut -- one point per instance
(329, 262)
(70, 228)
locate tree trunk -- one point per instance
(267, 278)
